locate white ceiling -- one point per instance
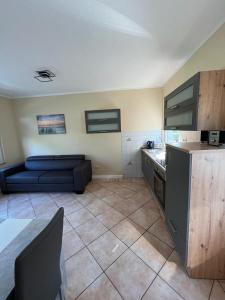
(96, 45)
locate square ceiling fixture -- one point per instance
(44, 76)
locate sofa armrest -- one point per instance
(10, 170)
(82, 175)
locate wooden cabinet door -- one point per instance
(177, 198)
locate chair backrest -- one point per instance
(57, 162)
(37, 268)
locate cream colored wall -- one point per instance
(140, 110)
(8, 132)
(211, 56)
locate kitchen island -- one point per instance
(195, 207)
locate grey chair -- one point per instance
(37, 268)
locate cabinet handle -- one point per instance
(174, 107)
(172, 226)
(173, 127)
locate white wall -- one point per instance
(8, 132)
(141, 110)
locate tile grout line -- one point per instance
(103, 272)
(221, 284)
(211, 289)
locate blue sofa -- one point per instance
(48, 173)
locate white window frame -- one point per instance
(2, 153)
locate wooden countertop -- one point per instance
(196, 147)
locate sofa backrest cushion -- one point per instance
(58, 162)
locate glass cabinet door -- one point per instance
(181, 106)
(180, 120)
(100, 121)
(176, 101)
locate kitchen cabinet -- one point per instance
(195, 205)
(177, 198)
(198, 104)
(148, 169)
(102, 121)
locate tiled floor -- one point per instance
(116, 245)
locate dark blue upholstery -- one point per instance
(50, 173)
(25, 177)
(62, 176)
(54, 164)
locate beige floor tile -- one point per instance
(47, 206)
(101, 289)
(37, 195)
(140, 199)
(128, 231)
(107, 249)
(66, 226)
(126, 206)
(22, 211)
(110, 217)
(97, 207)
(159, 290)
(71, 207)
(222, 283)
(48, 214)
(113, 199)
(159, 229)
(89, 231)
(102, 193)
(43, 200)
(111, 186)
(175, 275)
(81, 271)
(130, 276)
(64, 199)
(145, 216)
(217, 292)
(20, 197)
(131, 186)
(92, 187)
(124, 192)
(71, 244)
(152, 251)
(86, 198)
(79, 217)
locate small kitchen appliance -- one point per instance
(213, 137)
(150, 144)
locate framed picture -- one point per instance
(51, 124)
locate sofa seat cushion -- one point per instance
(25, 177)
(60, 176)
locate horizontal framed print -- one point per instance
(51, 124)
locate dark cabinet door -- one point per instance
(181, 106)
(177, 198)
(148, 169)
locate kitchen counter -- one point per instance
(196, 147)
(157, 155)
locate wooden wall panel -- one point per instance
(206, 243)
(211, 110)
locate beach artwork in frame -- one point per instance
(51, 124)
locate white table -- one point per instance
(15, 235)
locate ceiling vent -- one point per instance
(44, 76)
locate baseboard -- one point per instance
(107, 177)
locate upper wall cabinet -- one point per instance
(198, 104)
(102, 121)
